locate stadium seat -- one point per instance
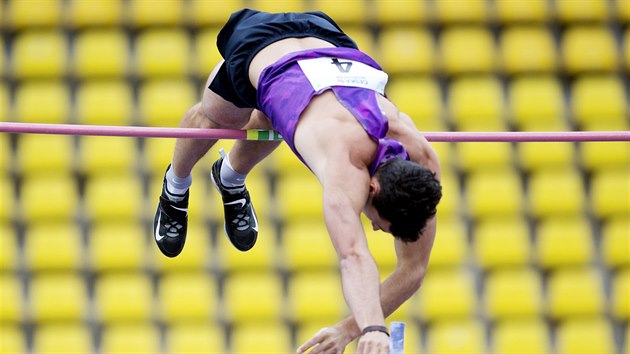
(164, 102)
(622, 9)
(522, 11)
(476, 103)
(315, 297)
(626, 43)
(212, 13)
(467, 50)
(101, 53)
(157, 155)
(564, 241)
(197, 253)
(239, 290)
(195, 338)
(104, 103)
(105, 253)
(555, 192)
(58, 151)
(345, 12)
(71, 338)
(516, 336)
(406, 50)
(39, 54)
(610, 193)
(599, 101)
(537, 103)
(186, 297)
(480, 156)
(37, 13)
(536, 157)
(364, 38)
(12, 304)
(277, 5)
(585, 336)
(259, 338)
(42, 102)
(502, 242)
(118, 197)
(562, 287)
(461, 11)
(299, 197)
(123, 297)
(7, 207)
(5, 111)
(163, 13)
(56, 246)
(450, 247)
(58, 297)
(494, 193)
(60, 188)
(12, 339)
(462, 336)
(381, 246)
(162, 53)
(511, 293)
(8, 247)
(307, 246)
(621, 294)
(616, 242)
(103, 155)
(206, 55)
(588, 49)
(600, 156)
(3, 64)
(407, 92)
(447, 294)
(451, 201)
(82, 14)
(263, 256)
(396, 12)
(140, 338)
(528, 49)
(582, 11)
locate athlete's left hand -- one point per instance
(329, 340)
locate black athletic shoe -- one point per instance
(170, 224)
(241, 225)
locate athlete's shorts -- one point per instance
(248, 31)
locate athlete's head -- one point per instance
(406, 198)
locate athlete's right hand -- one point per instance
(373, 343)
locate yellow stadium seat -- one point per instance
(102, 155)
(466, 336)
(3, 62)
(58, 297)
(458, 11)
(307, 246)
(299, 197)
(451, 201)
(447, 294)
(522, 11)
(556, 191)
(381, 246)
(537, 157)
(196, 254)
(315, 296)
(344, 12)
(476, 103)
(537, 103)
(616, 242)
(58, 187)
(502, 242)
(599, 100)
(37, 13)
(264, 255)
(8, 247)
(101, 53)
(479, 156)
(206, 54)
(163, 53)
(626, 44)
(42, 102)
(394, 12)
(588, 49)
(277, 5)
(123, 297)
(162, 13)
(364, 38)
(12, 304)
(569, 11)
(527, 49)
(71, 338)
(610, 193)
(5, 108)
(213, 12)
(494, 193)
(40, 54)
(12, 338)
(104, 103)
(105, 253)
(239, 290)
(450, 247)
(564, 241)
(188, 297)
(516, 336)
(95, 13)
(421, 99)
(118, 197)
(621, 294)
(58, 151)
(53, 247)
(585, 336)
(157, 155)
(406, 50)
(622, 9)
(140, 338)
(164, 102)
(202, 338)
(7, 191)
(565, 283)
(513, 292)
(270, 337)
(284, 163)
(467, 50)
(599, 156)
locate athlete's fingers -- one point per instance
(317, 338)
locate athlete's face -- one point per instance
(378, 222)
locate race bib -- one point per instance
(326, 72)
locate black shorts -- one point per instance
(248, 31)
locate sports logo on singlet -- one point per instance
(326, 72)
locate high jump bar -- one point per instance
(270, 135)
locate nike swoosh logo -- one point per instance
(158, 237)
(185, 210)
(241, 201)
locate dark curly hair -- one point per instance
(408, 197)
